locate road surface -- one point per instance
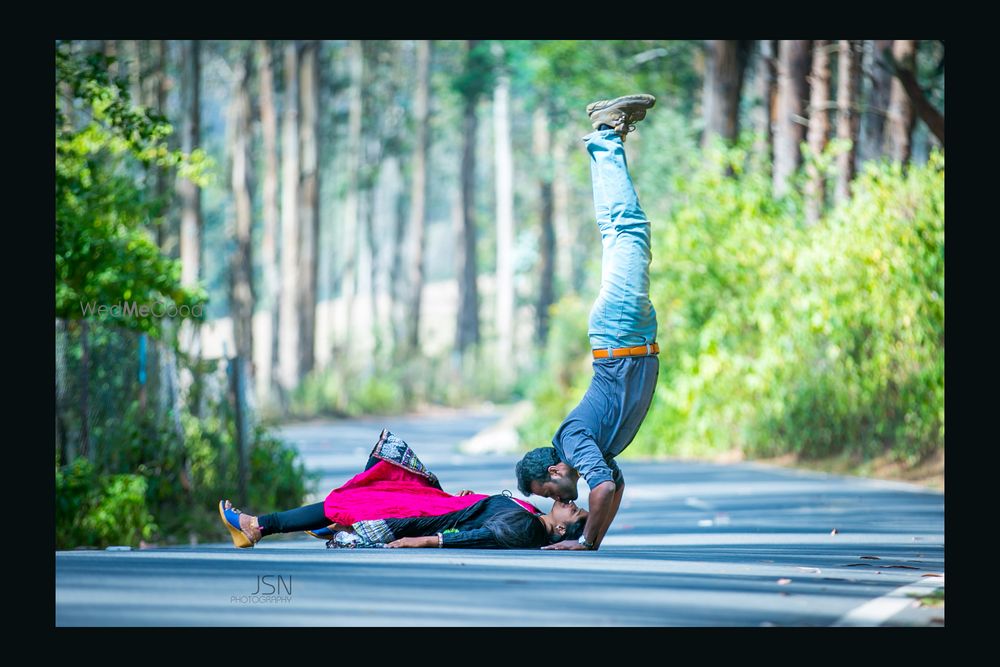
(694, 544)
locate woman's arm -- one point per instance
(420, 526)
(478, 538)
(413, 542)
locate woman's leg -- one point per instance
(308, 517)
(622, 315)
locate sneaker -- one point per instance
(621, 113)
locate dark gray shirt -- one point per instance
(606, 420)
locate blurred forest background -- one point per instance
(350, 227)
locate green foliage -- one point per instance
(181, 463)
(478, 75)
(573, 73)
(105, 253)
(776, 337)
(278, 478)
(383, 388)
(338, 393)
(100, 510)
(565, 373)
(175, 477)
(865, 331)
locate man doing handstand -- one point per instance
(622, 330)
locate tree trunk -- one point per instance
(848, 80)
(819, 128)
(85, 449)
(397, 299)
(899, 124)
(109, 47)
(151, 85)
(166, 231)
(241, 266)
(565, 266)
(352, 166)
(547, 247)
(67, 452)
(790, 125)
(418, 197)
(149, 75)
(934, 119)
(766, 91)
(66, 98)
(308, 203)
(134, 69)
(504, 172)
(468, 308)
(369, 264)
(189, 192)
(269, 246)
(288, 321)
(723, 84)
(873, 121)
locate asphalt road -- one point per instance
(694, 544)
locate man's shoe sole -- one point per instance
(642, 100)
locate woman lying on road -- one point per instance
(397, 502)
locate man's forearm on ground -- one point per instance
(616, 501)
(602, 511)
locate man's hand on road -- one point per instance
(567, 545)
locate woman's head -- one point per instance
(566, 521)
(518, 529)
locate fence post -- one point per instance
(64, 443)
(142, 372)
(85, 392)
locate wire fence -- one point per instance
(109, 380)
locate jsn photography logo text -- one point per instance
(124, 309)
(270, 589)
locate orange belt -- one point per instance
(638, 351)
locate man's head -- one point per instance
(541, 472)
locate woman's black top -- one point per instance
(497, 522)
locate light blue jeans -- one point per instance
(622, 315)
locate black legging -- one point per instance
(308, 517)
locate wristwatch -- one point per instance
(584, 542)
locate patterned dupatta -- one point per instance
(392, 449)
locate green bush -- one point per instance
(866, 332)
(340, 393)
(100, 510)
(398, 386)
(277, 479)
(176, 480)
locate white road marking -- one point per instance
(697, 503)
(879, 610)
